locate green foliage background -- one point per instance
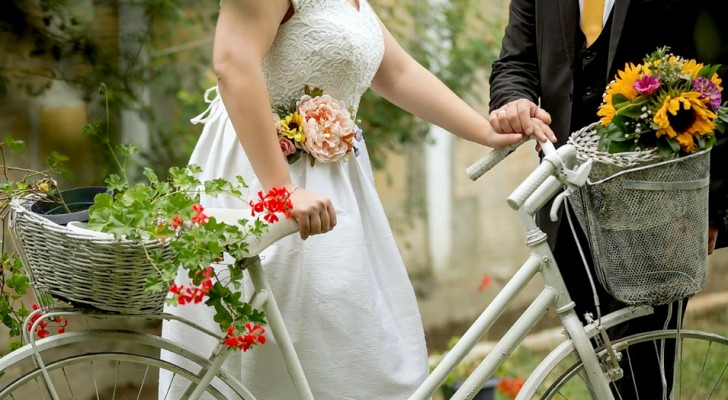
(163, 76)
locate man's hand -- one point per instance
(522, 116)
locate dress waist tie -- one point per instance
(215, 108)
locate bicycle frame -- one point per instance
(535, 191)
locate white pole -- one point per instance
(133, 23)
(439, 161)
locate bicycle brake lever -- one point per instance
(578, 176)
(573, 179)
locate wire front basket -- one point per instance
(647, 224)
(83, 269)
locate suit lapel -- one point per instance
(619, 13)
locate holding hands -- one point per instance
(524, 117)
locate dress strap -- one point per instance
(214, 109)
(297, 4)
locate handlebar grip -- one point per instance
(490, 160)
(276, 231)
(527, 187)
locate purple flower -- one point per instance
(707, 88)
(647, 84)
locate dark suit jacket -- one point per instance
(538, 51)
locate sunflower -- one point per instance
(292, 127)
(623, 85)
(683, 116)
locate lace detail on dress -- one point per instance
(327, 44)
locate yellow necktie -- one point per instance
(591, 19)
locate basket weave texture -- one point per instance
(83, 269)
(646, 219)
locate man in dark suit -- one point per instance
(548, 60)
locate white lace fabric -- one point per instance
(310, 48)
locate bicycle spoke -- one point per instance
(68, 384)
(144, 381)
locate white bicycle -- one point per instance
(118, 362)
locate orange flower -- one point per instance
(510, 386)
(624, 85)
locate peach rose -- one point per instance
(328, 127)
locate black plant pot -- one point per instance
(487, 392)
(78, 201)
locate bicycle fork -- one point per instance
(262, 298)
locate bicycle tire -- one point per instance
(80, 372)
(562, 378)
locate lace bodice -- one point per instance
(327, 44)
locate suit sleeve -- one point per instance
(515, 75)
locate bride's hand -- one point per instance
(314, 213)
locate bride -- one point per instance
(341, 284)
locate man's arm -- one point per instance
(515, 75)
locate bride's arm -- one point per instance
(407, 84)
(243, 36)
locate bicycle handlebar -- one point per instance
(490, 160)
(276, 231)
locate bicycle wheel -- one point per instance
(106, 365)
(702, 365)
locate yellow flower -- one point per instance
(43, 187)
(623, 84)
(682, 117)
(625, 81)
(691, 68)
(606, 111)
(687, 144)
(292, 127)
(717, 81)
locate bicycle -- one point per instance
(586, 363)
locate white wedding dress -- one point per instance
(345, 295)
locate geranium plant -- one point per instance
(667, 102)
(170, 211)
(318, 125)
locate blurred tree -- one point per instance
(77, 41)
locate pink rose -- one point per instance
(287, 146)
(328, 127)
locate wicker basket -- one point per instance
(85, 269)
(647, 221)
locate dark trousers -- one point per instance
(641, 364)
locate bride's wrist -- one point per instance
(291, 188)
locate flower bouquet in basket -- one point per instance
(644, 207)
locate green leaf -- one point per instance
(16, 146)
(621, 146)
(128, 149)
